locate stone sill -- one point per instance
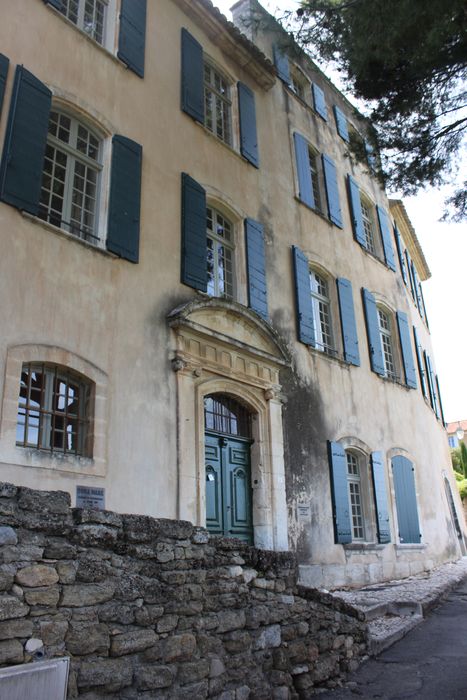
(363, 547)
(409, 547)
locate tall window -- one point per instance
(70, 180)
(385, 331)
(88, 15)
(313, 161)
(217, 104)
(368, 225)
(321, 312)
(220, 254)
(299, 83)
(53, 409)
(355, 496)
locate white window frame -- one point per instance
(315, 175)
(369, 224)
(322, 312)
(299, 84)
(356, 496)
(79, 19)
(224, 99)
(388, 346)
(229, 244)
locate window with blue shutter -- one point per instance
(55, 3)
(4, 63)
(400, 253)
(125, 198)
(194, 234)
(410, 274)
(440, 402)
(372, 327)
(339, 493)
(381, 498)
(281, 61)
(356, 211)
(319, 102)
(25, 142)
(406, 348)
(348, 324)
(305, 321)
(192, 77)
(332, 191)
(406, 500)
(256, 268)
(416, 284)
(248, 134)
(132, 35)
(431, 384)
(302, 158)
(386, 238)
(420, 363)
(422, 299)
(341, 123)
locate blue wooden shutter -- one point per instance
(194, 236)
(132, 35)
(411, 277)
(341, 123)
(303, 171)
(381, 497)
(422, 299)
(372, 328)
(440, 402)
(192, 77)
(431, 384)
(25, 142)
(55, 3)
(319, 101)
(281, 61)
(356, 211)
(248, 135)
(421, 370)
(256, 267)
(125, 198)
(400, 253)
(406, 348)
(339, 493)
(386, 238)
(332, 191)
(406, 500)
(4, 63)
(348, 325)
(305, 320)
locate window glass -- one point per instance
(88, 15)
(321, 312)
(224, 414)
(217, 104)
(368, 225)
(219, 254)
(313, 161)
(355, 496)
(385, 331)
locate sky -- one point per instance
(445, 293)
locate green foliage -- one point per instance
(456, 460)
(459, 476)
(462, 486)
(463, 455)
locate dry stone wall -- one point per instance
(149, 608)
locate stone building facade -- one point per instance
(211, 312)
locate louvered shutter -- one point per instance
(374, 338)
(194, 235)
(421, 370)
(132, 35)
(431, 384)
(410, 273)
(406, 348)
(25, 142)
(4, 63)
(256, 267)
(406, 500)
(381, 498)
(386, 238)
(348, 324)
(423, 306)
(440, 402)
(192, 77)
(304, 306)
(341, 123)
(281, 61)
(416, 284)
(356, 211)
(303, 171)
(332, 191)
(319, 101)
(339, 493)
(400, 253)
(125, 198)
(248, 134)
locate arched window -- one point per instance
(355, 496)
(321, 311)
(217, 104)
(224, 414)
(220, 254)
(387, 345)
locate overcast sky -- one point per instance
(445, 247)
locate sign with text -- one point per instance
(90, 497)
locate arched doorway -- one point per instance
(228, 437)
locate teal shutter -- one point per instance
(194, 237)
(356, 211)
(421, 370)
(125, 198)
(25, 142)
(192, 77)
(256, 268)
(416, 286)
(386, 238)
(400, 253)
(248, 135)
(332, 191)
(406, 500)
(303, 171)
(4, 63)
(411, 277)
(132, 35)
(281, 61)
(374, 338)
(339, 493)
(440, 402)
(406, 348)
(422, 299)
(348, 325)
(431, 384)
(381, 497)
(341, 123)
(319, 102)
(305, 320)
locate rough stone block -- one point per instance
(67, 571)
(7, 576)
(44, 502)
(132, 642)
(150, 677)
(167, 623)
(37, 575)
(42, 596)
(84, 638)
(193, 671)
(268, 638)
(59, 549)
(76, 595)
(92, 535)
(27, 552)
(148, 614)
(180, 647)
(53, 632)
(11, 652)
(11, 607)
(237, 642)
(7, 536)
(111, 674)
(15, 628)
(8, 490)
(100, 517)
(117, 612)
(231, 620)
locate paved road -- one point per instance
(430, 663)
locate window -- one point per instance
(368, 225)
(321, 312)
(71, 177)
(313, 161)
(355, 496)
(220, 252)
(453, 441)
(217, 104)
(299, 84)
(53, 410)
(385, 331)
(88, 15)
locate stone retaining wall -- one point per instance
(150, 608)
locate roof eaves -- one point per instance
(407, 231)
